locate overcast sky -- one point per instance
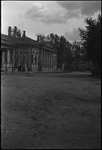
(45, 17)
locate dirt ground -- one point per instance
(50, 111)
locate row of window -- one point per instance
(47, 64)
(5, 57)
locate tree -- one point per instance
(77, 52)
(68, 55)
(91, 41)
(41, 37)
(61, 46)
(54, 40)
(64, 52)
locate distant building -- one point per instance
(19, 52)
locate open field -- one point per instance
(50, 111)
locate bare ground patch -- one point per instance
(55, 113)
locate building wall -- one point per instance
(29, 57)
(48, 60)
(7, 59)
(35, 59)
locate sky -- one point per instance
(45, 17)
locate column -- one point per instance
(8, 56)
(13, 60)
(47, 59)
(3, 59)
(50, 59)
(44, 58)
(33, 59)
(54, 61)
(41, 55)
(37, 59)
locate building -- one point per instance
(26, 53)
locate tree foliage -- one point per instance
(91, 39)
(77, 52)
(61, 46)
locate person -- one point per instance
(25, 67)
(19, 68)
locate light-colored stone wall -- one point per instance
(49, 62)
(47, 59)
(7, 61)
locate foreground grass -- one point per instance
(54, 111)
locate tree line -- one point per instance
(78, 52)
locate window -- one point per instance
(32, 58)
(1, 58)
(11, 56)
(5, 57)
(35, 59)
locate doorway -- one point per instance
(24, 61)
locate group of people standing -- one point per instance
(24, 69)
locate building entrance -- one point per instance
(23, 62)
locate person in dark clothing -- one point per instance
(19, 68)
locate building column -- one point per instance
(33, 59)
(51, 60)
(54, 61)
(5, 60)
(45, 59)
(41, 61)
(13, 63)
(8, 57)
(48, 59)
(37, 59)
(3, 57)
(42, 58)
